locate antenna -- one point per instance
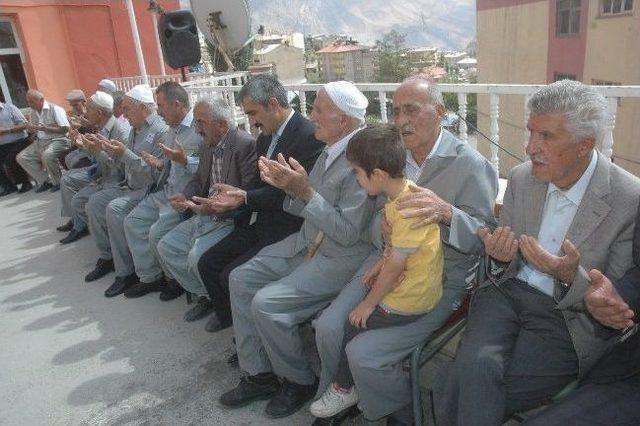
(226, 25)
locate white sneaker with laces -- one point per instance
(332, 402)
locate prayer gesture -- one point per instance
(76, 138)
(113, 147)
(605, 304)
(563, 267)
(92, 143)
(227, 198)
(500, 244)
(358, 317)
(424, 205)
(200, 206)
(178, 202)
(153, 161)
(177, 155)
(291, 177)
(32, 128)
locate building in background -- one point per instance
(58, 45)
(346, 60)
(541, 41)
(287, 62)
(421, 57)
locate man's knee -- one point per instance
(329, 326)
(155, 234)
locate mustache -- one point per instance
(407, 128)
(537, 158)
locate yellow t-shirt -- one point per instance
(421, 288)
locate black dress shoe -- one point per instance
(103, 267)
(54, 188)
(26, 187)
(215, 324)
(251, 388)
(74, 235)
(171, 291)
(120, 285)
(8, 190)
(43, 187)
(140, 288)
(203, 308)
(66, 227)
(290, 398)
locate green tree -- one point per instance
(240, 60)
(390, 60)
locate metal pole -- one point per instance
(155, 31)
(136, 41)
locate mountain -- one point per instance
(446, 24)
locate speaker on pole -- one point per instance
(179, 38)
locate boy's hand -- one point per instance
(369, 278)
(358, 317)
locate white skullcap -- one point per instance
(103, 100)
(347, 98)
(141, 93)
(109, 85)
(75, 95)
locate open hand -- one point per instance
(500, 244)
(290, 176)
(424, 205)
(605, 304)
(153, 161)
(562, 267)
(177, 154)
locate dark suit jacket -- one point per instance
(238, 165)
(297, 141)
(624, 358)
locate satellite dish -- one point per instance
(226, 24)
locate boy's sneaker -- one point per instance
(333, 401)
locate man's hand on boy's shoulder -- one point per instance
(424, 205)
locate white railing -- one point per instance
(201, 79)
(383, 93)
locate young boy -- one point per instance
(406, 282)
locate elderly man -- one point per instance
(108, 207)
(73, 157)
(13, 139)
(50, 125)
(282, 131)
(458, 191)
(288, 282)
(609, 392)
(73, 195)
(153, 217)
(527, 335)
(107, 86)
(230, 158)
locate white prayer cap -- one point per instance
(141, 93)
(75, 95)
(103, 100)
(108, 85)
(347, 98)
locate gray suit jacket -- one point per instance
(340, 208)
(238, 164)
(602, 230)
(108, 171)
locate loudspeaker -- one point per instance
(179, 38)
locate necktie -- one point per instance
(272, 146)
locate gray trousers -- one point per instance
(271, 296)
(73, 180)
(516, 353)
(383, 385)
(106, 210)
(40, 159)
(181, 248)
(595, 404)
(79, 203)
(144, 227)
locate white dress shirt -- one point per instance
(276, 136)
(412, 170)
(560, 207)
(338, 148)
(59, 115)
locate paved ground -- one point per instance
(69, 356)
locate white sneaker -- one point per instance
(332, 402)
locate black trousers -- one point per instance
(11, 173)
(216, 264)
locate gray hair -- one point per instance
(35, 93)
(117, 96)
(262, 88)
(219, 109)
(433, 91)
(585, 109)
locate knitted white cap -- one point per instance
(108, 85)
(102, 99)
(347, 98)
(141, 93)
